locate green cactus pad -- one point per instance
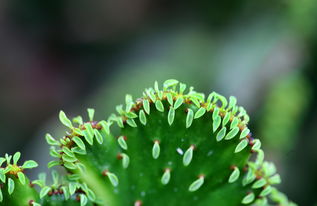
(168, 147)
(15, 187)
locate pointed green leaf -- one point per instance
(195, 101)
(226, 119)
(10, 186)
(63, 141)
(98, 136)
(89, 129)
(171, 115)
(156, 88)
(232, 133)
(169, 98)
(91, 195)
(160, 95)
(65, 121)
(234, 110)
(234, 122)
(276, 179)
(113, 179)
(8, 158)
(178, 102)
(125, 160)
(2, 175)
(122, 143)
(216, 123)
(83, 200)
(128, 107)
(189, 118)
(221, 134)
(223, 100)
(79, 151)
(65, 192)
(67, 158)
(79, 142)
(29, 164)
(6, 170)
(241, 145)
(234, 175)
(53, 163)
(142, 117)
(267, 190)
(209, 106)
(268, 168)
(105, 126)
(259, 183)
(128, 98)
(249, 177)
(70, 165)
(21, 177)
(78, 120)
(169, 83)
(156, 150)
(150, 93)
(159, 106)
(72, 187)
(131, 115)
(91, 113)
(16, 157)
(196, 184)
(166, 177)
(200, 113)
(146, 106)
(248, 198)
(259, 157)
(67, 151)
(44, 191)
(256, 144)
(131, 122)
(51, 140)
(232, 102)
(182, 88)
(244, 133)
(54, 153)
(188, 156)
(211, 96)
(215, 113)
(73, 177)
(89, 135)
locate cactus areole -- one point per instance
(172, 146)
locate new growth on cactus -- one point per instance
(168, 147)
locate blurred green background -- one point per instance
(72, 55)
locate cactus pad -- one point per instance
(172, 146)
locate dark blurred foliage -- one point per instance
(75, 54)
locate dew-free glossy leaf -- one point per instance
(189, 118)
(243, 144)
(159, 106)
(234, 175)
(196, 184)
(171, 115)
(29, 164)
(65, 121)
(200, 113)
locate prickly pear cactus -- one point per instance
(169, 147)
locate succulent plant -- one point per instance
(169, 147)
